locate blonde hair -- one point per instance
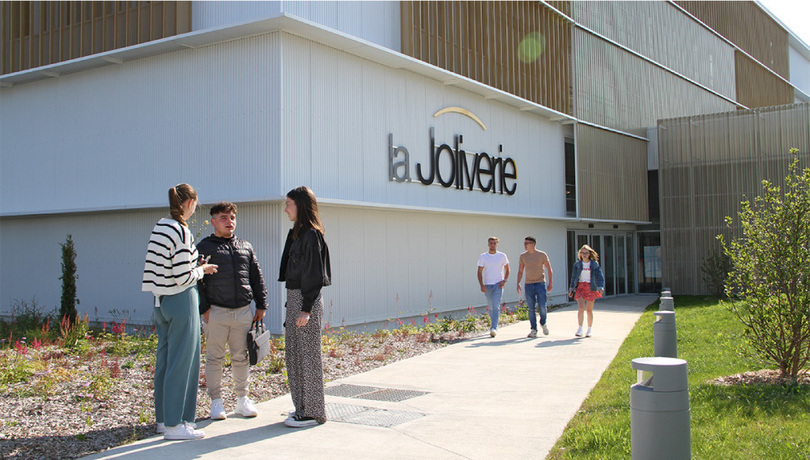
(178, 195)
(594, 255)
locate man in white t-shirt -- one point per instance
(493, 271)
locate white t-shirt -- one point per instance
(585, 276)
(493, 266)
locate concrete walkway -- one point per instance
(484, 398)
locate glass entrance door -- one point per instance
(615, 253)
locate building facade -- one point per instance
(422, 127)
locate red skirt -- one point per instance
(584, 292)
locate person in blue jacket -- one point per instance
(587, 284)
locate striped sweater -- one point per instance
(171, 260)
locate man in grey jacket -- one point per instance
(225, 299)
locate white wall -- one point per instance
(246, 121)
(339, 110)
(799, 70)
(389, 264)
(375, 21)
(120, 136)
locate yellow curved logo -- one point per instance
(461, 111)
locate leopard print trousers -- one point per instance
(303, 354)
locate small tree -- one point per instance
(769, 282)
(715, 268)
(69, 300)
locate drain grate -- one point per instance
(349, 391)
(373, 393)
(392, 394)
(370, 416)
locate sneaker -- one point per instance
(545, 329)
(218, 410)
(161, 427)
(532, 334)
(245, 407)
(298, 421)
(579, 332)
(182, 432)
(492, 332)
(588, 334)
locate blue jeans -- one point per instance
(494, 294)
(536, 296)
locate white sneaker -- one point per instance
(182, 432)
(245, 407)
(161, 427)
(492, 332)
(579, 332)
(218, 410)
(545, 329)
(532, 334)
(588, 334)
(303, 422)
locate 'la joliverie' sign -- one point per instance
(469, 170)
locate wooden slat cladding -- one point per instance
(611, 175)
(40, 33)
(748, 27)
(482, 41)
(756, 87)
(708, 165)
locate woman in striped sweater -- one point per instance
(171, 273)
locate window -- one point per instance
(570, 180)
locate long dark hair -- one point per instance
(306, 206)
(178, 195)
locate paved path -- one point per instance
(484, 398)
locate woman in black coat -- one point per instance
(306, 269)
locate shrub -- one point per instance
(714, 270)
(769, 275)
(69, 300)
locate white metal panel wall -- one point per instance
(339, 110)
(663, 33)
(120, 136)
(389, 264)
(210, 14)
(377, 22)
(386, 264)
(110, 251)
(799, 70)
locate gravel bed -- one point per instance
(66, 411)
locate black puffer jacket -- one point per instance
(238, 279)
(305, 265)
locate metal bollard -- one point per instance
(666, 292)
(665, 337)
(659, 410)
(667, 304)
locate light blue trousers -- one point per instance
(177, 366)
(493, 295)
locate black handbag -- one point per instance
(258, 342)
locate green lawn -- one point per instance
(742, 422)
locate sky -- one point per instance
(793, 13)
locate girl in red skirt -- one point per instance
(587, 284)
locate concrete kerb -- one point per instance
(503, 397)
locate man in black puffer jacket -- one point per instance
(225, 299)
